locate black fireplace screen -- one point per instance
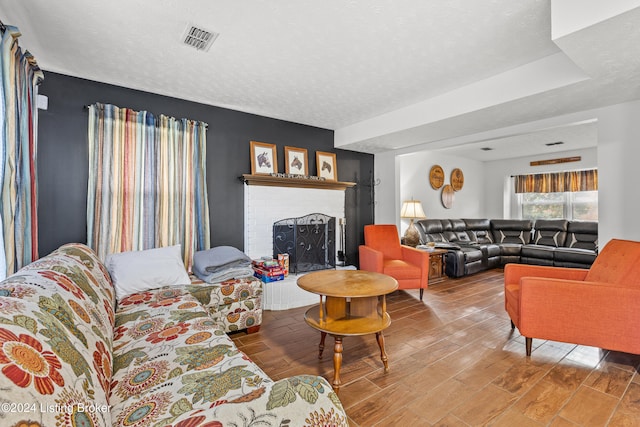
(309, 241)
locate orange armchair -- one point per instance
(599, 307)
(383, 253)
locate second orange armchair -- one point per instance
(383, 253)
(596, 307)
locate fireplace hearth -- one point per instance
(309, 240)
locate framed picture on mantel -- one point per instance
(264, 158)
(296, 161)
(326, 165)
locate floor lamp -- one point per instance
(412, 209)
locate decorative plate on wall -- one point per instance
(448, 194)
(457, 179)
(436, 176)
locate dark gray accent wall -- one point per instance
(63, 160)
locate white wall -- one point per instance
(497, 173)
(414, 183)
(387, 190)
(619, 172)
(406, 176)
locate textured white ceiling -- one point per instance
(574, 136)
(330, 63)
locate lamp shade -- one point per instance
(412, 209)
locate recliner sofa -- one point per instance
(478, 244)
(469, 242)
(562, 243)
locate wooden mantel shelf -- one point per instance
(276, 181)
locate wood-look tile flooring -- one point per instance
(454, 361)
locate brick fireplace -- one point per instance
(265, 205)
(269, 199)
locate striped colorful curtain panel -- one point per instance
(147, 182)
(18, 173)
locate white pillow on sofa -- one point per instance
(139, 271)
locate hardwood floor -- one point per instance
(454, 361)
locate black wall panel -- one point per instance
(63, 160)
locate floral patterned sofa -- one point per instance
(70, 356)
(234, 304)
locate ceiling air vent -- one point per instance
(199, 38)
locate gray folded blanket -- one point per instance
(221, 276)
(221, 263)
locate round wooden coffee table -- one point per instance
(352, 302)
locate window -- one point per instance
(569, 195)
(542, 205)
(580, 205)
(584, 205)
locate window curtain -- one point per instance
(147, 182)
(560, 182)
(18, 146)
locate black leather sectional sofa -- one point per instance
(478, 244)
